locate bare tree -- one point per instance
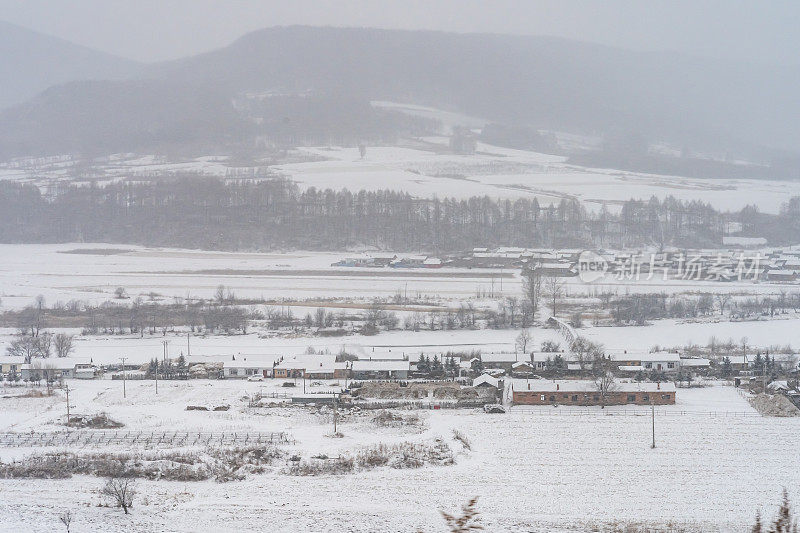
(25, 346)
(554, 288)
(585, 351)
(45, 342)
(121, 491)
(511, 306)
(532, 288)
(605, 384)
(219, 295)
(523, 339)
(722, 302)
(66, 519)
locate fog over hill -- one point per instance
(30, 62)
(547, 83)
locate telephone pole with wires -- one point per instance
(124, 392)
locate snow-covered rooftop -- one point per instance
(380, 366)
(570, 385)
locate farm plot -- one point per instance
(531, 473)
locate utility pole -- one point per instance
(166, 351)
(66, 388)
(124, 392)
(335, 412)
(653, 412)
(188, 334)
(156, 375)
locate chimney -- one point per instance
(558, 386)
(529, 386)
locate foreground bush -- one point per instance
(400, 456)
(225, 464)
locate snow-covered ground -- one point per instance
(426, 170)
(505, 173)
(108, 349)
(29, 270)
(532, 471)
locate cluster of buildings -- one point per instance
(381, 365)
(775, 265)
(53, 369)
(517, 375)
(383, 260)
(516, 364)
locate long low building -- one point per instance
(660, 361)
(583, 392)
(380, 369)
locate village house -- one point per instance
(410, 261)
(781, 275)
(521, 363)
(559, 270)
(242, 369)
(695, 364)
(658, 361)
(335, 371)
(366, 369)
(58, 369)
(485, 380)
(503, 360)
(522, 367)
(739, 363)
(11, 365)
(583, 392)
(299, 366)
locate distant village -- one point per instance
(581, 376)
(723, 265)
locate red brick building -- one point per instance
(580, 392)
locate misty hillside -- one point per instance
(541, 82)
(30, 62)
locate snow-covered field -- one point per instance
(506, 173)
(28, 270)
(537, 470)
(425, 170)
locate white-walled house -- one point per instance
(658, 361)
(380, 369)
(242, 369)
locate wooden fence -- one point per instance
(165, 439)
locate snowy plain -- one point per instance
(423, 168)
(715, 464)
(91, 272)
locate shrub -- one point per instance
(460, 437)
(386, 418)
(120, 491)
(99, 421)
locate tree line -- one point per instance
(263, 214)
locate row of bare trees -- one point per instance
(43, 345)
(202, 212)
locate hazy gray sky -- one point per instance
(149, 30)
